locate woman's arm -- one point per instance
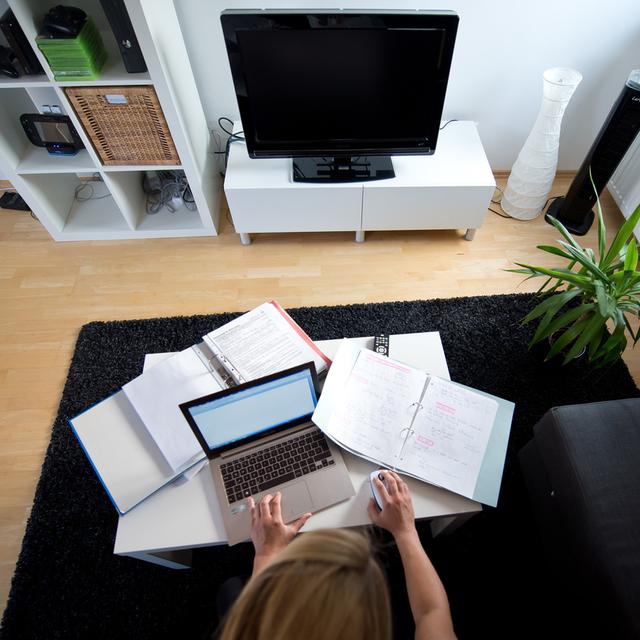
(428, 599)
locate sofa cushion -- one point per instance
(591, 454)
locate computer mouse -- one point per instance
(374, 491)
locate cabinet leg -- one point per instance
(470, 234)
(245, 238)
(360, 236)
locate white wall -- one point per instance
(502, 48)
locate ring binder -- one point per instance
(418, 407)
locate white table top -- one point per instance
(187, 515)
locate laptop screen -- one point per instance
(251, 410)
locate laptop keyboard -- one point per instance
(271, 466)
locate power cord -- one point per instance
(506, 215)
(233, 137)
(88, 185)
(448, 122)
(167, 190)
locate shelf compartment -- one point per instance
(24, 81)
(13, 140)
(38, 160)
(72, 218)
(128, 191)
(113, 71)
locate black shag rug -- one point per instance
(68, 584)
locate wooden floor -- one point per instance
(49, 290)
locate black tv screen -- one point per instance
(339, 83)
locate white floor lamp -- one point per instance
(535, 168)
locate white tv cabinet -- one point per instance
(450, 189)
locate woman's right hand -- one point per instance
(397, 514)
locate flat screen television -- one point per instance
(340, 91)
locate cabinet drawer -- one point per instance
(425, 208)
(325, 208)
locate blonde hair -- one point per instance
(325, 584)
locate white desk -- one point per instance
(167, 525)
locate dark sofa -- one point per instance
(582, 471)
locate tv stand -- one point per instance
(450, 189)
(342, 169)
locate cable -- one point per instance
(233, 137)
(167, 189)
(506, 215)
(448, 122)
(502, 215)
(87, 185)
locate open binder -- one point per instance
(404, 419)
(138, 440)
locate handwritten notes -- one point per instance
(403, 418)
(450, 436)
(375, 406)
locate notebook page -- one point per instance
(376, 407)
(450, 435)
(262, 341)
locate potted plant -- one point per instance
(588, 301)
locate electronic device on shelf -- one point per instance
(340, 91)
(19, 44)
(118, 18)
(62, 22)
(13, 200)
(575, 210)
(54, 132)
(7, 63)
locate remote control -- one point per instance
(381, 345)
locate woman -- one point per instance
(327, 584)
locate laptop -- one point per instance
(259, 439)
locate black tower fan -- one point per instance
(574, 211)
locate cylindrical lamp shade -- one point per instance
(535, 168)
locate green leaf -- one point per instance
(595, 342)
(551, 303)
(565, 234)
(586, 262)
(567, 337)
(561, 274)
(595, 324)
(554, 250)
(606, 307)
(612, 349)
(547, 329)
(623, 235)
(602, 232)
(631, 256)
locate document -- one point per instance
(156, 395)
(263, 341)
(408, 420)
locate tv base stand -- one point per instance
(450, 189)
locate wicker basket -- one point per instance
(125, 124)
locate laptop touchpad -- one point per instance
(295, 501)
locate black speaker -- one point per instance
(19, 44)
(122, 28)
(574, 211)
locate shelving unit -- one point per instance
(48, 183)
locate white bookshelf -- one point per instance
(48, 183)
